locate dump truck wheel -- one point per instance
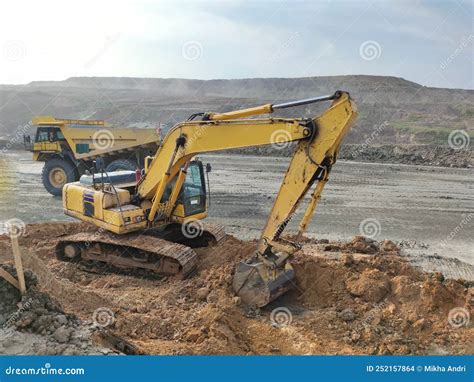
(121, 164)
(56, 173)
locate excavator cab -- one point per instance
(192, 198)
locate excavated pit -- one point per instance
(359, 297)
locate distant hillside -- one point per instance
(392, 110)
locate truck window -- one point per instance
(49, 134)
(42, 136)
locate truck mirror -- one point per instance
(208, 167)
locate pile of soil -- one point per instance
(359, 297)
(34, 324)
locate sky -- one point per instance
(428, 42)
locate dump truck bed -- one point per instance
(90, 139)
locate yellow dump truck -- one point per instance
(69, 147)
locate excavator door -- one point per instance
(192, 200)
(193, 192)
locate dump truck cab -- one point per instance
(68, 147)
(48, 139)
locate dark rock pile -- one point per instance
(34, 324)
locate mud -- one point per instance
(357, 297)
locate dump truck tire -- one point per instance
(121, 164)
(56, 173)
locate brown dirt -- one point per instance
(359, 297)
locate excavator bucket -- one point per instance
(257, 285)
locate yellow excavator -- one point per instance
(153, 221)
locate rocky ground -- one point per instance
(426, 155)
(357, 297)
(34, 324)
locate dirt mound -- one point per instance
(359, 297)
(361, 244)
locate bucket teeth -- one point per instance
(257, 285)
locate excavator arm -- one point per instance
(268, 274)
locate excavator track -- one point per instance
(166, 252)
(216, 230)
(129, 251)
(203, 235)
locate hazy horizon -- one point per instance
(227, 79)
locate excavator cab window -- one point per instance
(193, 192)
